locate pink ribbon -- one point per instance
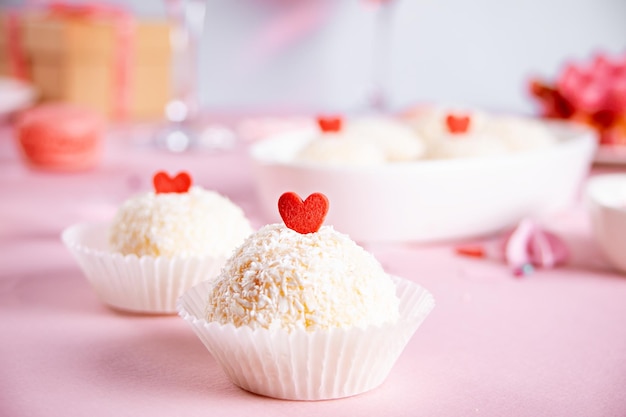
(17, 61)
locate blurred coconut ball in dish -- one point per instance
(432, 123)
(395, 139)
(470, 146)
(362, 141)
(521, 133)
(186, 222)
(460, 135)
(280, 278)
(339, 148)
(470, 133)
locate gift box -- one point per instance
(93, 56)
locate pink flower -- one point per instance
(599, 85)
(593, 93)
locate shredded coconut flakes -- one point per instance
(196, 223)
(281, 278)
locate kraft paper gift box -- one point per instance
(84, 59)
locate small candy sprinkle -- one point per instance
(163, 183)
(330, 124)
(472, 251)
(303, 216)
(457, 124)
(523, 270)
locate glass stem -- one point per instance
(381, 56)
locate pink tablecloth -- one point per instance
(551, 344)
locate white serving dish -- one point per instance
(430, 200)
(606, 204)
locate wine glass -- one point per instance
(184, 128)
(378, 97)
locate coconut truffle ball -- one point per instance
(194, 223)
(397, 141)
(364, 141)
(430, 122)
(341, 149)
(485, 135)
(467, 146)
(521, 134)
(280, 278)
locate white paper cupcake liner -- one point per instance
(305, 365)
(138, 284)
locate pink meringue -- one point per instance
(526, 247)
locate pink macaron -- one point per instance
(59, 136)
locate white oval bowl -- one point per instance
(429, 200)
(606, 204)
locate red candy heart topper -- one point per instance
(163, 183)
(457, 124)
(330, 124)
(303, 216)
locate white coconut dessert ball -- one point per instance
(197, 223)
(280, 278)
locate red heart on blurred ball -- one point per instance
(330, 124)
(457, 124)
(163, 183)
(303, 216)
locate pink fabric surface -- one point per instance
(550, 344)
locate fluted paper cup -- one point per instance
(301, 365)
(143, 284)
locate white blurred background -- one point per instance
(479, 52)
(317, 55)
